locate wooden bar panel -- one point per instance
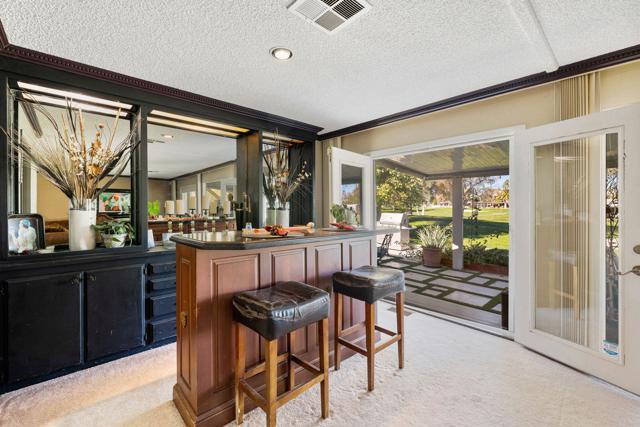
(207, 280)
(291, 265)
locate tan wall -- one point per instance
(53, 205)
(619, 86)
(160, 190)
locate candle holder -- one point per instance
(192, 212)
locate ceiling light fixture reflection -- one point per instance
(281, 53)
(270, 136)
(73, 95)
(188, 126)
(166, 135)
(198, 121)
(48, 100)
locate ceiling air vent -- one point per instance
(330, 15)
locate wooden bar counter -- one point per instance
(211, 268)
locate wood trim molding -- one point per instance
(581, 67)
(21, 53)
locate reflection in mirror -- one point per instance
(192, 181)
(32, 194)
(352, 190)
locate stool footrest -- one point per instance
(253, 394)
(260, 367)
(352, 346)
(385, 331)
(394, 339)
(352, 329)
(287, 396)
(306, 365)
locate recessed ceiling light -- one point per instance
(166, 135)
(281, 53)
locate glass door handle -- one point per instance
(635, 270)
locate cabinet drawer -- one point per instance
(161, 283)
(161, 305)
(159, 330)
(162, 268)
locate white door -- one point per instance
(352, 183)
(576, 205)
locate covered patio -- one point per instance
(458, 290)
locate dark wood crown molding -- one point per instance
(21, 53)
(588, 65)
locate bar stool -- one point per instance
(272, 313)
(369, 284)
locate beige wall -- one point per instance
(618, 86)
(53, 205)
(532, 107)
(160, 190)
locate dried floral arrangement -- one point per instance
(80, 165)
(284, 176)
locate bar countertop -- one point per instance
(233, 240)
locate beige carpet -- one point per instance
(454, 376)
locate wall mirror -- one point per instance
(192, 174)
(31, 195)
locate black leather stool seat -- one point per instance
(369, 283)
(282, 308)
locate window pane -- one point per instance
(576, 205)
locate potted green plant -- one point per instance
(433, 238)
(114, 233)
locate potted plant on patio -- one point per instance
(114, 233)
(433, 239)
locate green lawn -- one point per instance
(493, 224)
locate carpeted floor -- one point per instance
(454, 376)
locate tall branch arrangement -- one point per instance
(74, 159)
(283, 177)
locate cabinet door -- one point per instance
(44, 317)
(115, 316)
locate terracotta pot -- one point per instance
(431, 257)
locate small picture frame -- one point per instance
(26, 234)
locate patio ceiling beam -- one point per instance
(471, 173)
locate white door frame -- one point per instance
(622, 371)
(476, 138)
(339, 157)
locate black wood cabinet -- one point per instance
(115, 304)
(44, 325)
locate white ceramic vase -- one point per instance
(282, 217)
(82, 215)
(272, 216)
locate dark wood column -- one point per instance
(302, 201)
(249, 173)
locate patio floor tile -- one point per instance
(479, 280)
(466, 287)
(467, 298)
(395, 264)
(456, 273)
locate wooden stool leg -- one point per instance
(239, 371)
(271, 374)
(400, 326)
(323, 332)
(291, 380)
(370, 327)
(338, 329)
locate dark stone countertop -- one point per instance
(233, 240)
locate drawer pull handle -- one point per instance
(183, 319)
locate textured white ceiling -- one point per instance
(400, 55)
